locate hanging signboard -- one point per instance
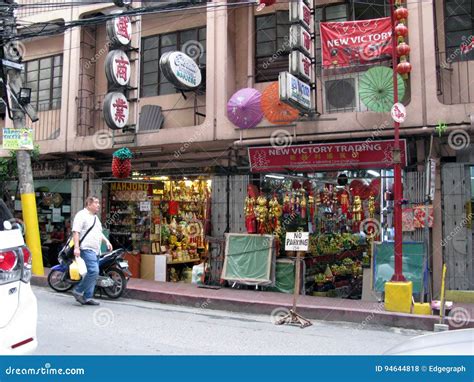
(355, 42)
(300, 66)
(398, 112)
(116, 110)
(430, 172)
(300, 39)
(117, 68)
(181, 70)
(119, 30)
(17, 139)
(294, 92)
(300, 12)
(326, 156)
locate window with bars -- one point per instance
(190, 41)
(459, 30)
(44, 77)
(271, 45)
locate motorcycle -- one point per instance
(112, 280)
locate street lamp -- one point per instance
(24, 96)
(398, 275)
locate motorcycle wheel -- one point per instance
(56, 282)
(120, 281)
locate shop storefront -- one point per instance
(341, 193)
(162, 223)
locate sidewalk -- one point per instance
(318, 308)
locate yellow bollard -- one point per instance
(30, 217)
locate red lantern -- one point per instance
(403, 49)
(401, 30)
(404, 67)
(401, 13)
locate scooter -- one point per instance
(112, 280)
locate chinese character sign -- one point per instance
(118, 68)
(116, 110)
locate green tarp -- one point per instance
(248, 259)
(284, 276)
(412, 264)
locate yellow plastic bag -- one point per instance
(74, 271)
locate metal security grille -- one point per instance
(457, 236)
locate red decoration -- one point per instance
(401, 30)
(173, 207)
(267, 2)
(403, 49)
(404, 67)
(401, 13)
(121, 168)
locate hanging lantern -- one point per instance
(401, 13)
(121, 163)
(404, 68)
(403, 49)
(401, 30)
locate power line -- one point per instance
(134, 12)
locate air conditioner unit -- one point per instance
(342, 95)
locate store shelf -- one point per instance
(183, 262)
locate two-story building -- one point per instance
(180, 136)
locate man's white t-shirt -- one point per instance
(82, 222)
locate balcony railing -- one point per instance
(33, 7)
(455, 76)
(49, 124)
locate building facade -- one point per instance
(237, 47)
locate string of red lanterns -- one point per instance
(401, 32)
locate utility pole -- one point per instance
(25, 173)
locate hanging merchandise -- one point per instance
(250, 217)
(121, 163)
(244, 109)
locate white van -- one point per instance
(18, 306)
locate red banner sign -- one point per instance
(355, 42)
(325, 156)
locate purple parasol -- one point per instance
(243, 108)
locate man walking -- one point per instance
(88, 237)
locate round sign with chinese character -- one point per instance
(119, 30)
(117, 68)
(399, 112)
(116, 110)
(181, 70)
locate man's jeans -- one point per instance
(87, 284)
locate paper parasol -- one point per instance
(243, 108)
(376, 89)
(276, 111)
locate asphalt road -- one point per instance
(132, 327)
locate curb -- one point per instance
(363, 317)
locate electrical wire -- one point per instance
(134, 12)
